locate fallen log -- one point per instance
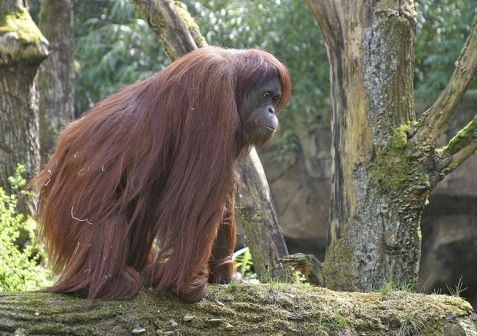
(245, 309)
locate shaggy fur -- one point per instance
(153, 165)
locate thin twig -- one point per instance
(79, 219)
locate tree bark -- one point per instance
(383, 168)
(22, 48)
(257, 215)
(57, 73)
(256, 212)
(266, 309)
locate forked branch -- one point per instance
(435, 119)
(175, 31)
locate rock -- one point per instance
(164, 333)
(138, 331)
(215, 321)
(188, 317)
(173, 324)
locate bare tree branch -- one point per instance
(435, 119)
(459, 148)
(172, 29)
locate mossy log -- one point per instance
(246, 309)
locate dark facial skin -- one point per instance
(262, 122)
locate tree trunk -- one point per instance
(267, 309)
(22, 48)
(57, 73)
(382, 171)
(259, 221)
(255, 211)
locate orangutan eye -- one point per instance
(267, 95)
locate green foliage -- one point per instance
(389, 287)
(442, 28)
(457, 289)
(243, 263)
(114, 47)
(19, 265)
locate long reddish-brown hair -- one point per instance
(153, 161)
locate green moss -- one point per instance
(191, 25)
(461, 139)
(391, 166)
(337, 272)
(399, 137)
(330, 324)
(338, 322)
(261, 309)
(233, 287)
(22, 24)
